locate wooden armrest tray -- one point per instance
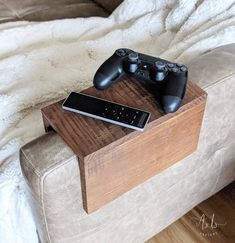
(114, 159)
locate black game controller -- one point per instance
(170, 78)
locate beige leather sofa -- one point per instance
(52, 173)
(42, 10)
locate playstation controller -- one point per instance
(169, 77)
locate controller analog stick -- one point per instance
(131, 64)
(158, 72)
(160, 65)
(133, 57)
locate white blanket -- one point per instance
(43, 62)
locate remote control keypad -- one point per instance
(122, 114)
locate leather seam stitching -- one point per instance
(30, 166)
(58, 164)
(48, 168)
(220, 80)
(41, 185)
(29, 162)
(42, 192)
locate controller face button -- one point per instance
(170, 65)
(179, 65)
(175, 69)
(183, 69)
(133, 56)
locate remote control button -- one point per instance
(183, 69)
(160, 65)
(133, 56)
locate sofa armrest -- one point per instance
(213, 67)
(51, 169)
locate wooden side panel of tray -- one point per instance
(112, 171)
(113, 159)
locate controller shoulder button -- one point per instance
(120, 52)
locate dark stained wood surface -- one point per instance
(114, 159)
(94, 134)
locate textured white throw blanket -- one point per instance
(43, 62)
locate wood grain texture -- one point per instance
(114, 159)
(212, 221)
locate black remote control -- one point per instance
(106, 111)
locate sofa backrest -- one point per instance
(43, 10)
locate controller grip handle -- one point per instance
(108, 73)
(173, 92)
